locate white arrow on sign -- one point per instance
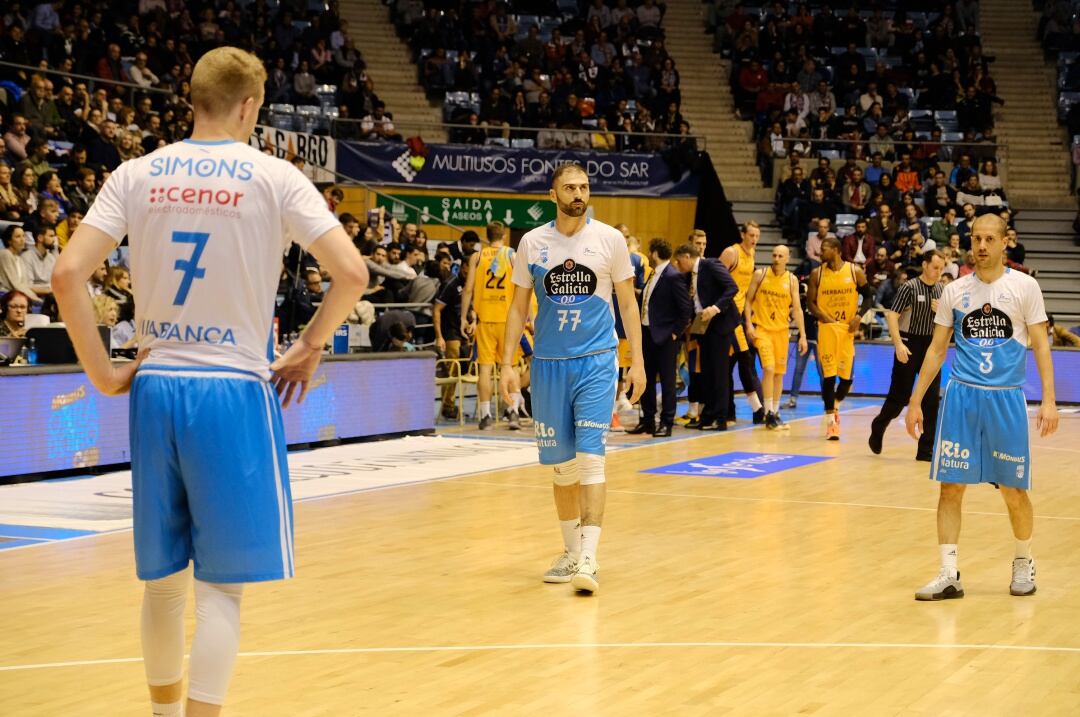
(508, 220)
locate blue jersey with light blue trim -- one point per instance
(207, 223)
(573, 278)
(990, 326)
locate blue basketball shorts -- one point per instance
(982, 437)
(572, 401)
(209, 475)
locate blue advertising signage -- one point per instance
(738, 464)
(58, 421)
(501, 169)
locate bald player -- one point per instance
(982, 431)
(770, 301)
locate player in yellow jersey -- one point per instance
(739, 260)
(773, 293)
(489, 294)
(833, 297)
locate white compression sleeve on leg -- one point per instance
(592, 468)
(217, 640)
(163, 628)
(566, 474)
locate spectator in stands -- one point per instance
(886, 290)
(102, 146)
(906, 177)
(40, 260)
(960, 173)
(883, 226)
(603, 139)
(84, 191)
(140, 73)
(304, 85)
(1014, 249)
(107, 313)
(110, 67)
(941, 230)
(814, 241)
(47, 215)
(963, 227)
(856, 194)
(793, 196)
(49, 187)
(17, 138)
(379, 125)
(1059, 335)
(940, 197)
(988, 176)
(14, 305)
(859, 246)
(474, 133)
(879, 268)
(400, 338)
(881, 144)
(971, 192)
(118, 288)
(13, 274)
(10, 204)
(39, 110)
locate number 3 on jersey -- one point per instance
(190, 267)
(569, 316)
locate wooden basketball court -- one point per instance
(791, 593)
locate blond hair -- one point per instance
(102, 304)
(224, 77)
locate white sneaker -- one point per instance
(943, 587)
(586, 578)
(561, 570)
(1023, 577)
(623, 405)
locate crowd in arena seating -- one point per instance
(67, 124)
(565, 75)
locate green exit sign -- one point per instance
(469, 211)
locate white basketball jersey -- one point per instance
(207, 224)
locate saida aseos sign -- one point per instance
(469, 211)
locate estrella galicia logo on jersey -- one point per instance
(570, 283)
(987, 327)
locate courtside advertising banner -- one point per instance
(319, 152)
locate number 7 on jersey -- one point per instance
(190, 267)
(569, 316)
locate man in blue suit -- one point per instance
(666, 311)
(712, 294)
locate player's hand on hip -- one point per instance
(294, 370)
(118, 382)
(853, 325)
(1046, 420)
(903, 353)
(914, 420)
(636, 379)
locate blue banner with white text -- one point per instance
(511, 170)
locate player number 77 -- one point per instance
(569, 316)
(190, 267)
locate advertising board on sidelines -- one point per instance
(738, 464)
(319, 152)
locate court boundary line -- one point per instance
(719, 644)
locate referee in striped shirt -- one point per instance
(911, 326)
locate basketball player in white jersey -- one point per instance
(208, 220)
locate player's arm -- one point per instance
(730, 257)
(87, 250)
(796, 308)
(1046, 420)
(867, 294)
(935, 357)
(516, 316)
(811, 300)
(348, 278)
(467, 294)
(436, 318)
(748, 310)
(631, 321)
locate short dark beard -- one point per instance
(570, 211)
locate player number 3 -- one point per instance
(988, 363)
(569, 316)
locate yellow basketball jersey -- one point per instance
(772, 302)
(838, 294)
(492, 288)
(742, 273)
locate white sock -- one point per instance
(948, 558)
(571, 536)
(173, 709)
(696, 407)
(516, 401)
(1023, 548)
(485, 409)
(755, 402)
(590, 541)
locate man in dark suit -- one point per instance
(666, 311)
(712, 292)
